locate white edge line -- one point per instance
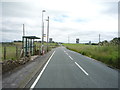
(81, 68)
(33, 85)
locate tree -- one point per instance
(115, 41)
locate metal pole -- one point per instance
(99, 38)
(26, 47)
(42, 33)
(47, 33)
(23, 39)
(4, 52)
(16, 52)
(23, 30)
(68, 38)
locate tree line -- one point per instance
(114, 41)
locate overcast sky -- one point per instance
(83, 19)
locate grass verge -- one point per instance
(106, 54)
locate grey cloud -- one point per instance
(18, 9)
(11, 30)
(6, 37)
(84, 35)
(93, 36)
(11, 27)
(24, 13)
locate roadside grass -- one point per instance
(106, 54)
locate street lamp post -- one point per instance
(47, 32)
(23, 38)
(42, 47)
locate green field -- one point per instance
(105, 54)
(10, 52)
(52, 44)
(11, 49)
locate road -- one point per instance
(68, 69)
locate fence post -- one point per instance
(34, 50)
(39, 50)
(4, 52)
(16, 52)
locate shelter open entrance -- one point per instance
(29, 45)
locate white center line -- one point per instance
(67, 53)
(81, 68)
(33, 85)
(70, 57)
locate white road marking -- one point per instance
(65, 51)
(70, 57)
(81, 68)
(33, 85)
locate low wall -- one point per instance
(9, 65)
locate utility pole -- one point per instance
(23, 30)
(23, 36)
(68, 39)
(42, 42)
(99, 38)
(47, 32)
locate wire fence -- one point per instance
(11, 52)
(15, 52)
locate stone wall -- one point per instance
(8, 65)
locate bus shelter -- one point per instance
(28, 45)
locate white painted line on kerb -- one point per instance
(70, 57)
(33, 85)
(81, 68)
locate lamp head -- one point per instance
(43, 11)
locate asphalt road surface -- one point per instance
(68, 69)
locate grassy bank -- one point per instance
(105, 54)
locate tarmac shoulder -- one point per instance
(21, 76)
